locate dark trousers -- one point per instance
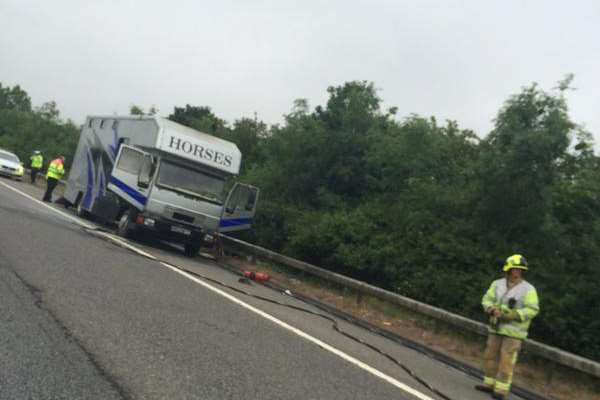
(51, 184)
(33, 174)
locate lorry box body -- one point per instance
(152, 173)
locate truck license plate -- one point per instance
(181, 230)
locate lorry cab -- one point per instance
(179, 185)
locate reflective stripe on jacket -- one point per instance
(526, 305)
(56, 169)
(37, 161)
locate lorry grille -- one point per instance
(183, 217)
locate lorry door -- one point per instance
(239, 208)
(131, 175)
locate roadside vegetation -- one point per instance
(24, 128)
(424, 208)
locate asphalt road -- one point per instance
(83, 318)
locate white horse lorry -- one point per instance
(149, 173)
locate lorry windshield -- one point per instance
(191, 181)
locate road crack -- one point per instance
(112, 380)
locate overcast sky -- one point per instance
(451, 59)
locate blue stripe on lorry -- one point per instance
(137, 196)
(235, 222)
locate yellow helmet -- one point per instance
(515, 261)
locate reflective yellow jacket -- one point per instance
(56, 169)
(526, 305)
(37, 161)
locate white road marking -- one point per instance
(241, 303)
(64, 214)
(305, 335)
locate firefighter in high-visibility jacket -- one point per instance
(37, 161)
(56, 170)
(511, 303)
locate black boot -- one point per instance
(484, 388)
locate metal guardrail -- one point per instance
(554, 354)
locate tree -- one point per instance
(519, 163)
(49, 111)
(300, 108)
(23, 131)
(200, 118)
(246, 134)
(136, 110)
(351, 107)
(291, 158)
(352, 112)
(14, 98)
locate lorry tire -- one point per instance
(125, 224)
(191, 249)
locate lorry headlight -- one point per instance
(149, 222)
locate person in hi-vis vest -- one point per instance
(511, 303)
(56, 170)
(36, 164)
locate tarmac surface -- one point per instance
(84, 318)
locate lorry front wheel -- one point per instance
(125, 224)
(191, 249)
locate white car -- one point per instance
(10, 165)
